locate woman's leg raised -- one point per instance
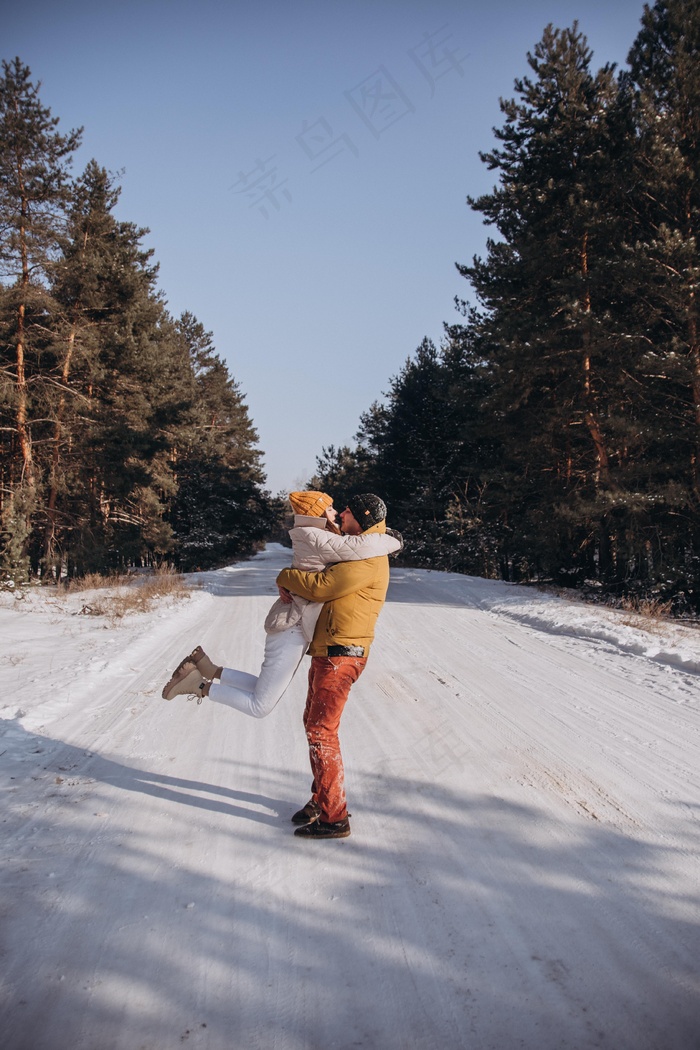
(257, 697)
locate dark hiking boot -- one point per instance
(321, 829)
(307, 815)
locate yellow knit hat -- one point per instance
(312, 504)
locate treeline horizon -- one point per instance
(555, 432)
(124, 439)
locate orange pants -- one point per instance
(330, 679)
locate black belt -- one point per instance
(345, 650)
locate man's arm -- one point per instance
(333, 582)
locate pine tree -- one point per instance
(123, 375)
(664, 87)
(220, 511)
(88, 288)
(548, 289)
(143, 393)
(416, 442)
(34, 191)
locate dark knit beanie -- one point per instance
(367, 509)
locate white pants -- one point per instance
(257, 696)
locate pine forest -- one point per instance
(124, 440)
(555, 433)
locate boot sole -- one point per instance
(306, 833)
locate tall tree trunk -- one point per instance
(23, 437)
(50, 533)
(23, 433)
(694, 348)
(695, 359)
(27, 477)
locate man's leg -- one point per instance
(330, 680)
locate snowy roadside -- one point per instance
(663, 641)
(57, 654)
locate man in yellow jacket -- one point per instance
(353, 594)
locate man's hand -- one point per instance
(285, 595)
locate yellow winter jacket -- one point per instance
(353, 594)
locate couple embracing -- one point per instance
(329, 603)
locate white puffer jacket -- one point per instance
(313, 548)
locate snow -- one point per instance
(524, 781)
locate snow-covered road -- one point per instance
(524, 779)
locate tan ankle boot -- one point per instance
(204, 665)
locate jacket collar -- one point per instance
(379, 527)
(306, 521)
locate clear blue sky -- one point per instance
(303, 167)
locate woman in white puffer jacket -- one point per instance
(316, 543)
